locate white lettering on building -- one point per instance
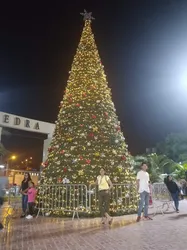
(17, 121)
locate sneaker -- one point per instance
(147, 218)
(103, 221)
(28, 217)
(177, 211)
(138, 219)
(22, 216)
(110, 221)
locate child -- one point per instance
(31, 200)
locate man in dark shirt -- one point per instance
(174, 191)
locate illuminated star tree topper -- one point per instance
(87, 16)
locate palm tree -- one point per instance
(181, 172)
(158, 164)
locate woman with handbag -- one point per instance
(104, 186)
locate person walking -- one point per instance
(174, 190)
(23, 190)
(144, 191)
(104, 186)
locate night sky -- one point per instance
(142, 44)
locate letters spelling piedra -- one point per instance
(17, 121)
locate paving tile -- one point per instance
(45, 233)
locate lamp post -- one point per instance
(12, 158)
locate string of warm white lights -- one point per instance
(88, 134)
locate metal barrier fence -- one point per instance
(160, 192)
(77, 197)
(14, 197)
(68, 197)
(74, 197)
(123, 198)
(162, 199)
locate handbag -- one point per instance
(150, 200)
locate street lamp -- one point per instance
(13, 157)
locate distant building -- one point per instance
(150, 150)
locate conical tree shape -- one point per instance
(87, 136)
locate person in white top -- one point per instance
(144, 191)
(104, 186)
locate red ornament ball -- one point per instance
(88, 161)
(94, 117)
(45, 164)
(91, 135)
(65, 169)
(118, 128)
(123, 158)
(62, 152)
(50, 150)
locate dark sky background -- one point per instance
(142, 44)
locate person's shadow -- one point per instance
(178, 217)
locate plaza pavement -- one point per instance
(167, 231)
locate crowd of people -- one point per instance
(28, 192)
(105, 186)
(144, 189)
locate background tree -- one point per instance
(181, 172)
(174, 146)
(158, 164)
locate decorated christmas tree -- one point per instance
(88, 135)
